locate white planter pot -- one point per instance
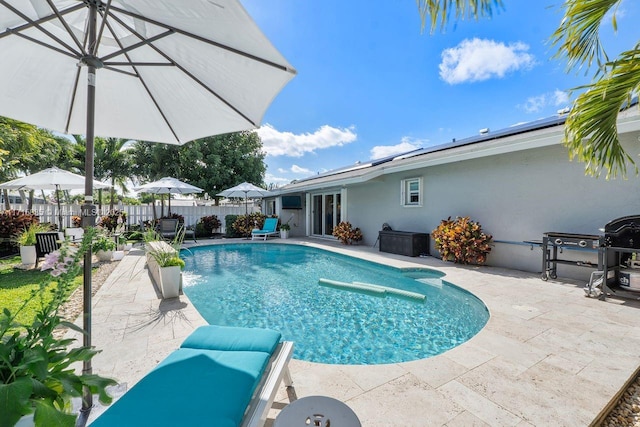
(128, 246)
(170, 281)
(118, 255)
(104, 255)
(284, 234)
(28, 255)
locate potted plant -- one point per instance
(170, 269)
(26, 239)
(103, 246)
(346, 233)
(284, 230)
(38, 378)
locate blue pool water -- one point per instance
(276, 286)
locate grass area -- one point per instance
(17, 286)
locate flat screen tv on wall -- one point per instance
(291, 202)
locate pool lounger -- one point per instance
(370, 288)
(222, 376)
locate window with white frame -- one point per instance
(411, 192)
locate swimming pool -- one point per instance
(276, 286)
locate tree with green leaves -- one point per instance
(591, 133)
(212, 163)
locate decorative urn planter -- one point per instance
(28, 255)
(284, 234)
(170, 281)
(104, 255)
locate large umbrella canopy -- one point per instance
(168, 185)
(51, 179)
(156, 70)
(168, 70)
(246, 190)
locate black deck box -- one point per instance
(404, 243)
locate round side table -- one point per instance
(317, 411)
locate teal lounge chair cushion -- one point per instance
(191, 387)
(229, 338)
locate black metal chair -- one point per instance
(46, 243)
(168, 228)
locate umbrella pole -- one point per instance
(59, 210)
(88, 209)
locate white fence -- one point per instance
(137, 213)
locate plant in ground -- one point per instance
(462, 241)
(346, 233)
(13, 222)
(37, 370)
(208, 224)
(245, 223)
(113, 220)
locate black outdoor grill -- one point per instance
(621, 244)
(554, 242)
(623, 233)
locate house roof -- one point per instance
(538, 133)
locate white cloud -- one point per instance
(407, 144)
(300, 170)
(477, 59)
(278, 180)
(276, 143)
(535, 104)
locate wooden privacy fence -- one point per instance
(136, 213)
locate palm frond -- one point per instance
(437, 12)
(577, 37)
(591, 131)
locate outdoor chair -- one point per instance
(268, 229)
(46, 243)
(168, 228)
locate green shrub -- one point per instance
(229, 222)
(245, 223)
(103, 243)
(27, 237)
(462, 241)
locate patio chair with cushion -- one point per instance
(222, 376)
(46, 243)
(168, 228)
(268, 229)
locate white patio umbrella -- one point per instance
(168, 185)
(246, 190)
(156, 70)
(51, 179)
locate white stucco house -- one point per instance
(518, 183)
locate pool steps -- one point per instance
(369, 288)
(437, 283)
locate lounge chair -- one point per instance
(222, 376)
(46, 243)
(268, 229)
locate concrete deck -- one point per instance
(548, 356)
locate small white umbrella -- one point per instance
(246, 190)
(168, 185)
(51, 179)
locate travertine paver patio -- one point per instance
(547, 357)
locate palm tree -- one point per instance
(113, 162)
(590, 130)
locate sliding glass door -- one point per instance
(325, 213)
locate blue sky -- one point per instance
(370, 83)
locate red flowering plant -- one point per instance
(462, 241)
(346, 233)
(37, 368)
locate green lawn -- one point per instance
(17, 286)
